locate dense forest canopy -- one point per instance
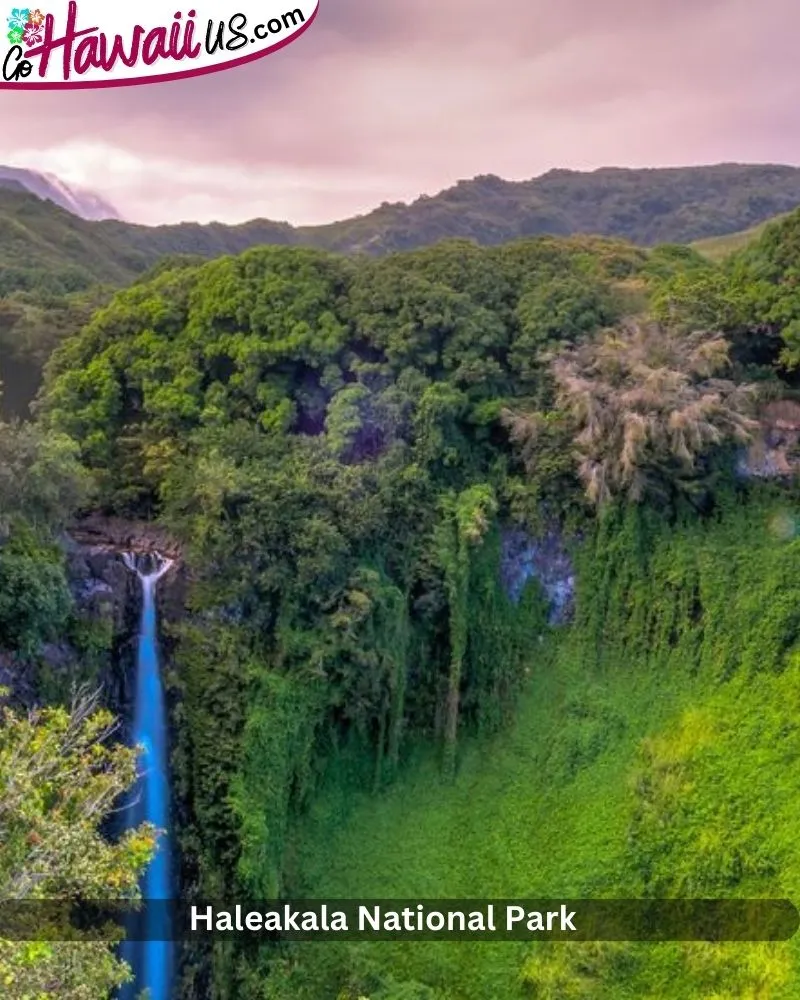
(55, 268)
(344, 448)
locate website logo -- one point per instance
(97, 43)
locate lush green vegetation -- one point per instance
(62, 769)
(717, 248)
(43, 245)
(41, 484)
(342, 446)
(647, 207)
(60, 778)
(324, 436)
(653, 753)
(55, 267)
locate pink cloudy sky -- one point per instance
(384, 99)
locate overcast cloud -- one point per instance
(385, 99)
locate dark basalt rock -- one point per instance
(107, 591)
(115, 534)
(108, 603)
(545, 559)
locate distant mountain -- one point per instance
(647, 207)
(82, 203)
(44, 247)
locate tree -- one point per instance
(41, 478)
(34, 597)
(463, 525)
(557, 310)
(60, 777)
(647, 408)
(41, 485)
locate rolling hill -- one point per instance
(45, 247)
(54, 264)
(42, 245)
(646, 207)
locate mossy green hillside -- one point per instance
(656, 752)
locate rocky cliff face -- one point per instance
(97, 639)
(774, 452)
(108, 597)
(114, 534)
(108, 593)
(99, 649)
(544, 559)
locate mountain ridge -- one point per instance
(647, 206)
(45, 247)
(85, 204)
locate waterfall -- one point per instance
(151, 960)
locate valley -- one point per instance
(485, 582)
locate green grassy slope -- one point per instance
(45, 247)
(42, 245)
(717, 248)
(657, 751)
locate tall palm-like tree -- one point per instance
(648, 405)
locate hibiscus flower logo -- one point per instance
(25, 27)
(33, 34)
(18, 19)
